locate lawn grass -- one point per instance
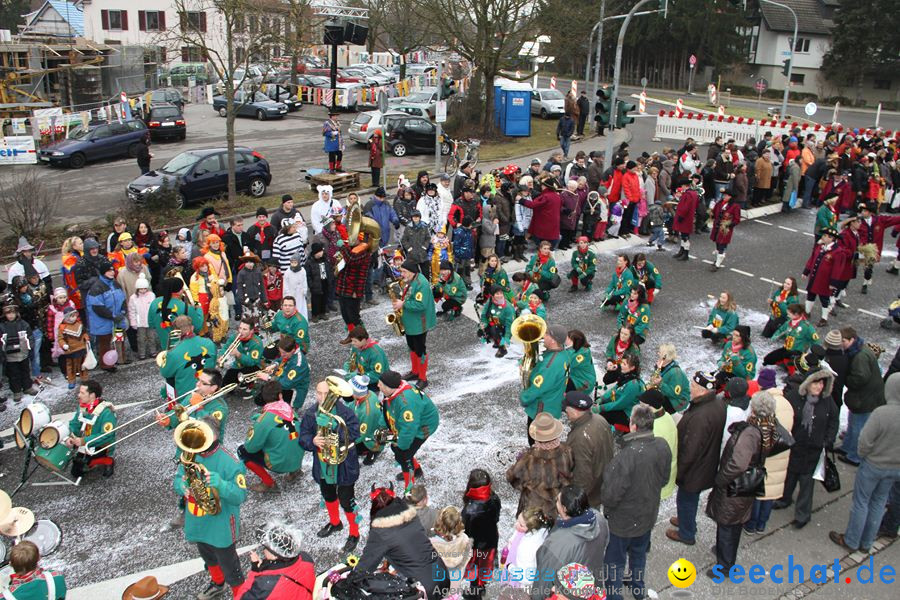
(543, 136)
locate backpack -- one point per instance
(374, 586)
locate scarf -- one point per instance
(27, 266)
(737, 347)
(551, 445)
(280, 408)
(586, 518)
(768, 429)
(621, 347)
(533, 306)
(795, 322)
(809, 409)
(619, 271)
(632, 306)
(134, 263)
(542, 258)
(481, 494)
(783, 295)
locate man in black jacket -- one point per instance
(632, 483)
(235, 239)
(584, 107)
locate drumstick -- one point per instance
(699, 327)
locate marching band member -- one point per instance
(412, 417)
(738, 357)
(168, 306)
(548, 379)
(216, 534)
(723, 318)
(247, 356)
(28, 580)
(91, 429)
(494, 274)
(847, 258)
(820, 271)
(532, 305)
(541, 269)
(292, 372)
(336, 482)
(620, 284)
(685, 209)
(798, 334)
(272, 442)
(726, 216)
(496, 321)
(584, 265)
(671, 380)
(370, 416)
(616, 402)
(778, 305)
(646, 273)
(827, 215)
(210, 295)
(451, 291)
(871, 231)
(418, 317)
(619, 345)
(582, 375)
(290, 322)
(636, 312)
(208, 383)
(181, 365)
(366, 357)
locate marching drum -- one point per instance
(31, 420)
(56, 458)
(53, 434)
(46, 535)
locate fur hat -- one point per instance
(281, 539)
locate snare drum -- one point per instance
(56, 458)
(46, 535)
(32, 420)
(53, 434)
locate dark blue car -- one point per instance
(108, 140)
(198, 175)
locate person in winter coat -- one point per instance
(249, 290)
(72, 339)
(591, 441)
(564, 131)
(429, 206)
(545, 219)
(15, 343)
(283, 571)
(105, 304)
(135, 268)
(86, 268)
(665, 181)
(568, 221)
(143, 154)
(404, 204)
(138, 311)
(737, 408)
(520, 553)
(542, 470)
(762, 186)
(749, 443)
(865, 390)
(791, 184)
(55, 311)
(683, 222)
(319, 276)
(384, 214)
(396, 534)
(814, 429)
(777, 465)
(376, 157)
(740, 185)
(582, 109)
(664, 429)
(295, 284)
(480, 514)
(632, 486)
(699, 441)
(415, 241)
(262, 234)
(451, 543)
(839, 364)
(580, 535)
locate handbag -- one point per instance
(750, 483)
(832, 480)
(90, 361)
(374, 586)
(784, 441)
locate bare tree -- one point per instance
(399, 27)
(231, 34)
(27, 204)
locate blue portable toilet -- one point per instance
(498, 100)
(516, 109)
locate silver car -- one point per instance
(365, 124)
(547, 102)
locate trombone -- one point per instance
(225, 360)
(245, 378)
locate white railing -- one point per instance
(705, 130)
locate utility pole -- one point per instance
(790, 66)
(599, 49)
(437, 136)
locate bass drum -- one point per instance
(46, 535)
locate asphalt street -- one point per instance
(117, 528)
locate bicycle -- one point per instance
(455, 157)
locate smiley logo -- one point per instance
(682, 573)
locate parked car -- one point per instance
(342, 77)
(365, 123)
(166, 121)
(198, 175)
(427, 96)
(367, 77)
(167, 96)
(251, 104)
(201, 72)
(547, 102)
(416, 110)
(93, 143)
(376, 71)
(283, 94)
(409, 135)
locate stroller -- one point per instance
(390, 259)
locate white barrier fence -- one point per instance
(706, 127)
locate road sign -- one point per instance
(382, 101)
(761, 85)
(440, 111)
(810, 109)
(574, 87)
(721, 111)
(644, 82)
(692, 60)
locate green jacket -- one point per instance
(620, 285)
(547, 384)
(639, 320)
(740, 364)
(725, 320)
(410, 415)
(277, 438)
(650, 277)
(623, 396)
(371, 361)
(779, 306)
(500, 279)
(183, 363)
(675, 386)
(296, 327)
(583, 264)
(541, 309)
(217, 409)
(825, 218)
(799, 338)
(95, 427)
(371, 418)
(36, 588)
(503, 317)
(227, 477)
(251, 352)
(162, 324)
(538, 272)
(418, 307)
(454, 289)
(294, 375)
(581, 370)
(633, 349)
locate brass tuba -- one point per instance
(192, 437)
(358, 225)
(334, 453)
(528, 330)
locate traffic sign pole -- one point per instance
(692, 62)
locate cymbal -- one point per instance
(5, 505)
(19, 521)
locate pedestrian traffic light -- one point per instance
(447, 88)
(622, 117)
(786, 66)
(602, 107)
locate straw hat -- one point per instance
(545, 428)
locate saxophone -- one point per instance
(192, 437)
(352, 366)
(393, 318)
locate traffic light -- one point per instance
(602, 107)
(786, 66)
(447, 88)
(622, 110)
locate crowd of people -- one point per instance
(589, 499)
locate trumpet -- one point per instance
(245, 378)
(266, 321)
(226, 360)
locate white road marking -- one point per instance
(791, 229)
(767, 280)
(868, 312)
(742, 272)
(808, 233)
(708, 262)
(765, 222)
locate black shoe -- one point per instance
(213, 590)
(798, 525)
(108, 470)
(779, 504)
(417, 474)
(841, 304)
(501, 352)
(350, 544)
(329, 529)
(684, 257)
(864, 290)
(843, 458)
(893, 271)
(422, 384)
(410, 376)
(573, 289)
(679, 253)
(370, 458)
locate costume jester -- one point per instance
(417, 304)
(93, 423)
(181, 365)
(294, 325)
(451, 291)
(547, 380)
(497, 318)
(250, 353)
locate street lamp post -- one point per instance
(787, 85)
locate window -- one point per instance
(239, 54)
(151, 20)
(101, 132)
(254, 24)
(114, 20)
(882, 84)
(797, 78)
(802, 45)
(210, 164)
(193, 21)
(192, 54)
